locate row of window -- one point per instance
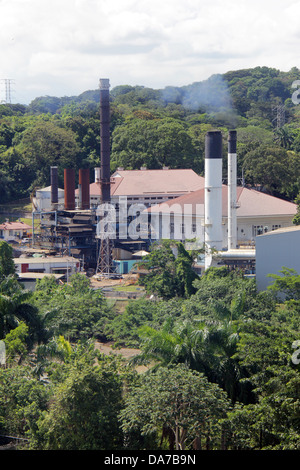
(260, 229)
(256, 229)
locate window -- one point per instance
(275, 227)
(257, 230)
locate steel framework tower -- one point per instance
(8, 89)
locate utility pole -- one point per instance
(8, 82)
(279, 119)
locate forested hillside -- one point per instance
(156, 128)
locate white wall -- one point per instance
(245, 233)
(275, 250)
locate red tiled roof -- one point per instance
(15, 226)
(251, 203)
(142, 182)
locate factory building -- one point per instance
(256, 213)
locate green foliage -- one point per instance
(170, 272)
(178, 404)
(287, 283)
(153, 143)
(7, 265)
(15, 342)
(73, 310)
(221, 370)
(15, 306)
(83, 414)
(23, 398)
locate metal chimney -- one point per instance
(232, 183)
(213, 194)
(105, 139)
(54, 184)
(84, 188)
(69, 183)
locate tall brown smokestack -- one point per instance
(69, 182)
(105, 139)
(84, 188)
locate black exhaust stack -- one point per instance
(105, 139)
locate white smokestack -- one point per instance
(232, 179)
(213, 194)
(97, 175)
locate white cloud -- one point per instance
(63, 48)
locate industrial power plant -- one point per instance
(103, 227)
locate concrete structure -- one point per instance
(14, 231)
(65, 265)
(28, 280)
(275, 250)
(42, 200)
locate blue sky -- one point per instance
(62, 48)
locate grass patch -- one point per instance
(128, 288)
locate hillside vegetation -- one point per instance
(156, 128)
(218, 363)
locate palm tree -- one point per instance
(284, 137)
(184, 341)
(14, 307)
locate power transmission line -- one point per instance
(8, 82)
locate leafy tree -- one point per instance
(169, 274)
(287, 283)
(7, 266)
(274, 169)
(181, 341)
(46, 144)
(73, 310)
(83, 414)
(177, 403)
(15, 344)
(153, 143)
(23, 398)
(15, 306)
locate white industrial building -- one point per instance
(275, 250)
(66, 265)
(42, 199)
(256, 213)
